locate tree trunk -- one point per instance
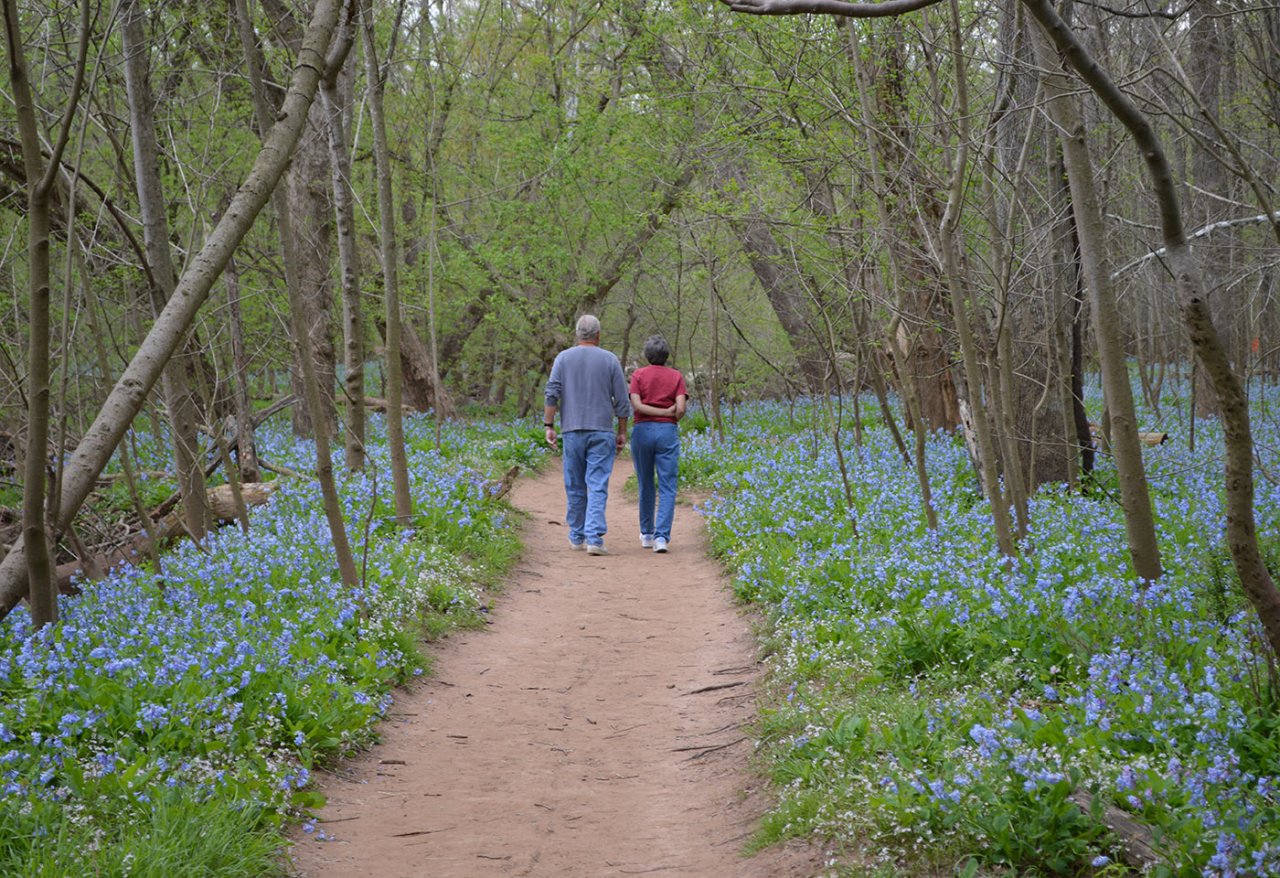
(1063, 108)
(989, 464)
(336, 89)
(44, 607)
(783, 282)
(155, 234)
(246, 447)
(130, 392)
(911, 210)
(310, 212)
(304, 360)
(1205, 61)
(1071, 283)
(375, 75)
(39, 179)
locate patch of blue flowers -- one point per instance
(226, 675)
(948, 701)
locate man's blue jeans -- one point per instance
(588, 463)
(655, 451)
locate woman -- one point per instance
(658, 397)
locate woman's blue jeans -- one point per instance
(655, 451)
(588, 463)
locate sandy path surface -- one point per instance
(595, 728)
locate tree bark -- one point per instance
(155, 235)
(166, 333)
(246, 447)
(304, 359)
(336, 89)
(375, 76)
(1063, 108)
(40, 179)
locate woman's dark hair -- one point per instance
(656, 350)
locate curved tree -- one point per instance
(1207, 343)
(190, 292)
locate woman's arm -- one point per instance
(680, 406)
(650, 410)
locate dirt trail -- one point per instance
(594, 729)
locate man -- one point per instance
(588, 387)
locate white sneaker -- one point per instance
(660, 545)
(577, 547)
(593, 549)
(646, 541)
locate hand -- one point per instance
(551, 436)
(621, 439)
(669, 411)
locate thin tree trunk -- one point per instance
(299, 315)
(1063, 107)
(375, 76)
(955, 281)
(246, 447)
(336, 89)
(155, 234)
(713, 369)
(1075, 416)
(131, 390)
(39, 179)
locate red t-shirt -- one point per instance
(657, 386)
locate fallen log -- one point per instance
(502, 488)
(1146, 438)
(165, 528)
(1137, 841)
(378, 404)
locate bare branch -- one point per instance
(828, 7)
(1146, 13)
(1202, 232)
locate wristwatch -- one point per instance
(548, 425)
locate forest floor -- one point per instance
(598, 726)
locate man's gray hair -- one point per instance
(588, 327)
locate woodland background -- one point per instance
(949, 219)
(946, 203)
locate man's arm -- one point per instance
(549, 422)
(552, 401)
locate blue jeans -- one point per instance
(655, 451)
(588, 463)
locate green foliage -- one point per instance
(695, 421)
(152, 491)
(10, 496)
